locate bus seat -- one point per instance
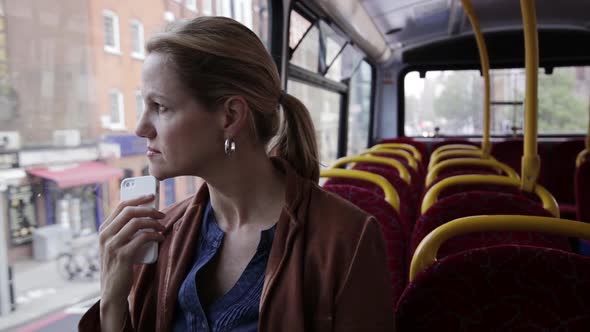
(510, 152)
(483, 203)
(403, 219)
(408, 196)
(583, 188)
(472, 187)
(562, 167)
(447, 141)
(391, 228)
(418, 145)
(416, 175)
(503, 288)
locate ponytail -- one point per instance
(218, 57)
(297, 142)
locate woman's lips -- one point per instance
(152, 152)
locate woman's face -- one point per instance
(183, 136)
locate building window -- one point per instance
(192, 5)
(111, 32)
(169, 16)
(139, 104)
(137, 40)
(117, 114)
(207, 7)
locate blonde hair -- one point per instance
(217, 58)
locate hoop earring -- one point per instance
(230, 146)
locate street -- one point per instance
(65, 320)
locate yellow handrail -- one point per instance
(548, 201)
(581, 157)
(426, 252)
(454, 154)
(531, 162)
(391, 195)
(404, 174)
(453, 147)
(486, 146)
(394, 152)
(433, 173)
(415, 153)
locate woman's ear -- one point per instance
(235, 115)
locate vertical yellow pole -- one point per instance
(486, 146)
(530, 160)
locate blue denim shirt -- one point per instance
(237, 310)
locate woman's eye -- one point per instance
(162, 109)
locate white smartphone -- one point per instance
(139, 186)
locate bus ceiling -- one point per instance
(437, 33)
(353, 19)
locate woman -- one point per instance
(261, 246)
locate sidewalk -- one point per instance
(40, 289)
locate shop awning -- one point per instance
(78, 174)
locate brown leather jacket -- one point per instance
(326, 271)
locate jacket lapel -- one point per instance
(284, 271)
(179, 256)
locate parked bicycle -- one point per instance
(80, 259)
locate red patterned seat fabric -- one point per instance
(401, 218)
(457, 189)
(416, 175)
(510, 153)
(562, 165)
(390, 226)
(455, 170)
(483, 203)
(583, 190)
(503, 288)
(408, 197)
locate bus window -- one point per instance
(453, 102)
(70, 99)
(359, 110)
(324, 107)
(298, 28)
(306, 55)
(345, 64)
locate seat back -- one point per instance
(416, 175)
(503, 288)
(400, 186)
(407, 140)
(510, 152)
(407, 194)
(583, 189)
(391, 228)
(447, 141)
(562, 167)
(483, 203)
(472, 187)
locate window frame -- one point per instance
(139, 104)
(318, 79)
(115, 49)
(134, 54)
(191, 5)
(207, 10)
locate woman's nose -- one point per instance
(144, 127)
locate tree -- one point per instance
(561, 109)
(460, 102)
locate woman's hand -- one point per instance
(119, 251)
